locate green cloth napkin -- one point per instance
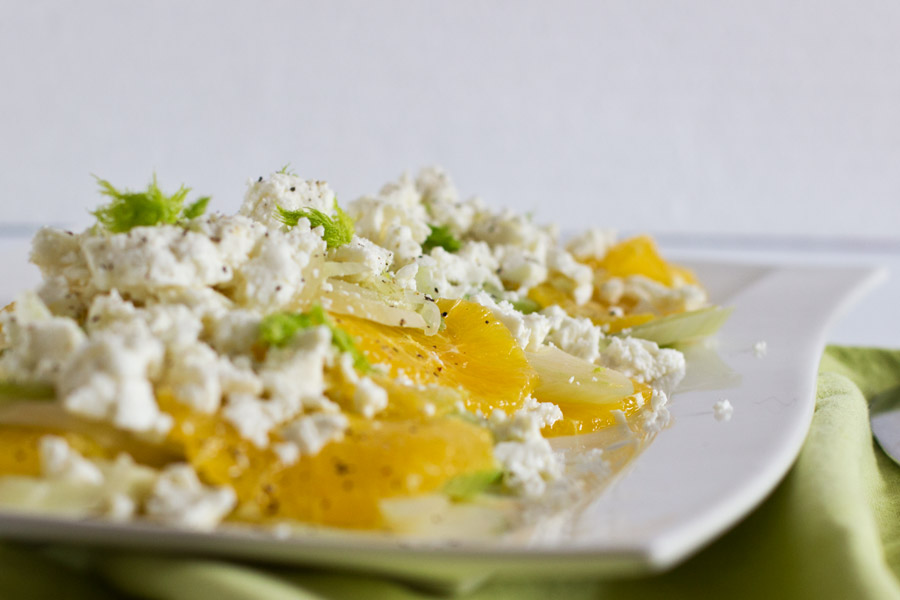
(830, 530)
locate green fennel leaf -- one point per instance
(278, 329)
(127, 209)
(441, 236)
(338, 229)
(526, 306)
(195, 209)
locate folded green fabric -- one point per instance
(830, 530)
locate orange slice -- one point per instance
(639, 256)
(474, 354)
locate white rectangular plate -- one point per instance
(693, 482)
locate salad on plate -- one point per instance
(403, 362)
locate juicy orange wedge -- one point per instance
(588, 396)
(582, 417)
(475, 354)
(342, 484)
(639, 256)
(546, 294)
(20, 448)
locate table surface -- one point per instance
(870, 322)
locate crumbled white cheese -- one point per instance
(235, 331)
(253, 417)
(581, 275)
(530, 330)
(592, 243)
(59, 257)
(576, 335)
(648, 295)
(369, 398)
(510, 229)
(172, 324)
(287, 191)
(525, 423)
(527, 466)
(60, 461)
(395, 220)
(199, 377)
(233, 235)
(656, 416)
(37, 343)
(287, 452)
(723, 410)
(293, 379)
(520, 269)
(278, 269)
(180, 499)
(453, 275)
(109, 377)
(760, 349)
(644, 361)
(310, 433)
(612, 290)
(145, 259)
(442, 201)
(294, 375)
(526, 458)
(373, 259)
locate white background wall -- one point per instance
(746, 116)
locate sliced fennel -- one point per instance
(397, 307)
(32, 390)
(435, 516)
(567, 379)
(683, 327)
(121, 477)
(53, 416)
(50, 497)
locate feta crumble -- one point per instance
(60, 461)
(644, 361)
(723, 410)
(179, 498)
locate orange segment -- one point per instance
(579, 417)
(588, 396)
(19, 454)
(20, 447)
(217, 451)
(343, 484)
(474, 354)
(545, 294)
(639, 256)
